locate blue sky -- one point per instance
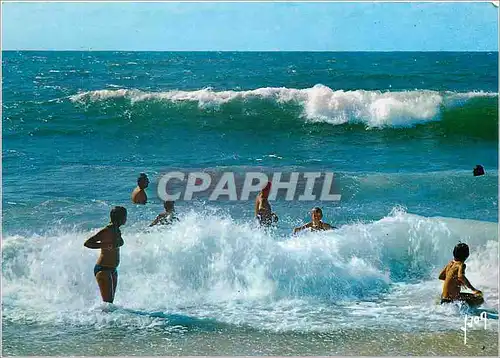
(251, 26)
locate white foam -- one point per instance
(211, 266)
(320, 103)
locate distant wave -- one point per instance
(375, 109)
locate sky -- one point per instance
(247, 26)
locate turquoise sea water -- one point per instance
(401, 132)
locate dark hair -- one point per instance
(318, 210)
(117, 215)
(461, 252)
(478, 170)
(168, 204)
(141, 177)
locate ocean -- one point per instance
(401, 132)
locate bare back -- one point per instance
(110, 252)
(453, 272)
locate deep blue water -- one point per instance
(58, 147)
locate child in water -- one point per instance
(453, 276)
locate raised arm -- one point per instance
(104, 239)
(96, 241)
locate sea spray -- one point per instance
(205, 263)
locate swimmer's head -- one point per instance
(317, 214)
(478, 170)
(461, 252)
(143, 181)
(266, 190)
(118, 215)
(168, 205)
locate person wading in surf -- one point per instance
(316, 224)
(139, 194)
(167, 217)
(109, 240)
(263, 211)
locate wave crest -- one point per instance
(319, 103)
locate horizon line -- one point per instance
(246, 51)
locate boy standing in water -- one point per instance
(453, 275)
(316, 224)
(166, 218)
(109, 240)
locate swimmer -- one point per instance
(453, 276)
(167, 217)
(263, 211)
(478, 170)
(316, 224)
(139, 194)
(109, 240)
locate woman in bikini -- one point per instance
(109, 240)
(316, 224)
